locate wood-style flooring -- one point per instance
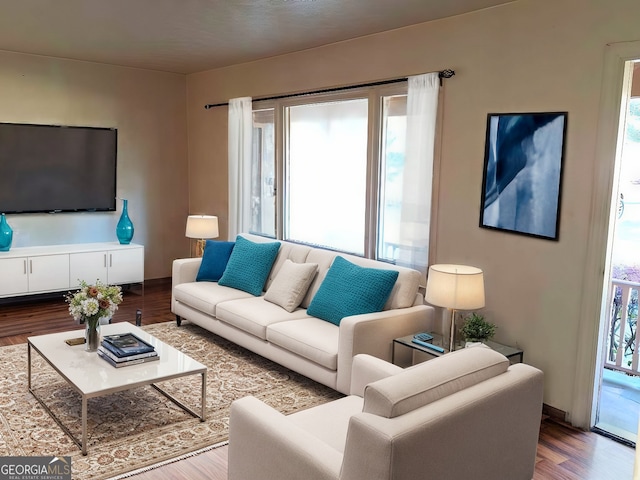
(564, 453)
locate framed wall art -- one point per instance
(522, 179)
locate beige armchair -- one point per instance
(468, 414)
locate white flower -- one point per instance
(90, 307)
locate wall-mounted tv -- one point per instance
(54, 168)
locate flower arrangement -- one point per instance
(93, 302)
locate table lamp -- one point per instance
(201, 227)
(455, 287)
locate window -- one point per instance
(263, 173)
(338, 160)
(326, 174)
(392, 154)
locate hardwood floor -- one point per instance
(564, 453)
(24, 317)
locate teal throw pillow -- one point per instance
(214, 260)
(249, 265)
(349, 289)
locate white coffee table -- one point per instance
(92, 377)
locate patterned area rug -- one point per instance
(133, 429)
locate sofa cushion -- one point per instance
(291, 284)
(310, 338)
(293, 251)
(253, 315)
(288, 251)
(329, 422)
(324, 259)
(349, 289)
(214, 260)
(249, 265)
(429, 381)
(205, 296)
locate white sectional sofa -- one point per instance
(316, 348)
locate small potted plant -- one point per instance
(477, 329)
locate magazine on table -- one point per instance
(126, 344)
(106, 352)
(128, 362)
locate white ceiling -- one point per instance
(186, 36)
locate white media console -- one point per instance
(54, 268)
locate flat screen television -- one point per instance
(54, 168)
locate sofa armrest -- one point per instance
(183, 270)
(265, 445)
(367, 369)
(373, 333)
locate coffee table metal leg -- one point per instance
(177, 402)
(204, 396)
(84, 425)
(29, 366)
(61, 425)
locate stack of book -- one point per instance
(126, 349)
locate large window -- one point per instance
(328, 170)
(326, 174)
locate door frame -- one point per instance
(616, 77)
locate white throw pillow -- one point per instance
(291, 284)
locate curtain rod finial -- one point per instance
(445, 74)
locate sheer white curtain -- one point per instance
(240, 146)
(422, 106)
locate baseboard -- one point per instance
(554, 413)
(157, 281)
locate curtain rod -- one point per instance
(443, 74)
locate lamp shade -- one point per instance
(202, 226)
(458, 287)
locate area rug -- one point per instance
(130, 430)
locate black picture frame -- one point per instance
(522, 177)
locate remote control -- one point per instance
(428, 345)
(425, 337)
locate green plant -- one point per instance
(477, 328)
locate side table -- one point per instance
(515, 355)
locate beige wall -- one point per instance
(148, 109)
(530, 55)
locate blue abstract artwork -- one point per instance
(523, 173)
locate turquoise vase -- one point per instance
(124, 229)
(6, 234)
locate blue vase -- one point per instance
(124, 229)
(6, 235)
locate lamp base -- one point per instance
(452, 334)
(200, 247)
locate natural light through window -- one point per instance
(394, 132)
(326, 174)
(263, 173)
(328, 170)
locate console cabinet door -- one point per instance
(87, 266)
(126, 266)
(13, 276)
(48, 273)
